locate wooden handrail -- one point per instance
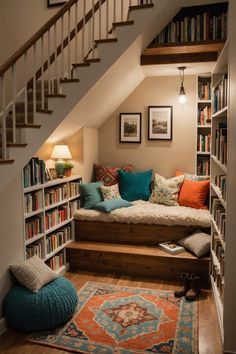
(21, 51)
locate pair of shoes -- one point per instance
(190, 286)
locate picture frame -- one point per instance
(52, 3)
(53, 173)
(48, 175)
(130, 127)
(160, 122)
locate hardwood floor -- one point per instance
(12, 342)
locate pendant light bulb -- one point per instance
(182, 94)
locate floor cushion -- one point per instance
(51, 306)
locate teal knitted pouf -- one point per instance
(53, 305)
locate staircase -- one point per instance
(44, 80)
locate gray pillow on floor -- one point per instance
(198, 243)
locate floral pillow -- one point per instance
(166, 191)
(109, 175)
(110, 192)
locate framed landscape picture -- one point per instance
(130, 127)
(56, 2)
(160, 122)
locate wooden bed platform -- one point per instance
(132, 249)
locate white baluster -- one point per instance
(93, 44)
(122, 10)
(76, 32)
(100, 19)
(42, 73)
(34, 80)
(55, 83)
(114, 11)
(26, 90)
(69, 51)
(4, 130)
(107, 18)
(62, 46)
(83, 30)
(14, 89)
(49, 66)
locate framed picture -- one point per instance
(130, 127)
(48, 175)
(53, 173)
(160, 122)
(56, 2)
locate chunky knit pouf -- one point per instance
(52, 306)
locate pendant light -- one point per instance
(182, 94)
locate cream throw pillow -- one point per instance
(110, 192)
(166, 191)
(33, 273)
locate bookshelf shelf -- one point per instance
(36, 236)
(218, 233)
(218, 193)
(221, 165)
(220, 113)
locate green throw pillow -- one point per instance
(111, 204)
(91, 194)
(135, 185)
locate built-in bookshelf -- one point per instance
(203, 132)
(218, 198)
(195, 24)
(49, 208)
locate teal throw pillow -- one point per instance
(111, 204)
(135, 185)
(91, 194)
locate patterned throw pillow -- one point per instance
(109, 175)
(190, 176)
(166, 191)
(110, 192)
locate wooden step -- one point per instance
(68, 80)
(123, 23)
(6, 161)
(79, 65)
(18, 145)
(44, 111)
(133, 260)
(106, 40)
(55, 95)
(140, 7)
(92, 60)
(25, 125)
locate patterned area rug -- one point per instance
(125, 320)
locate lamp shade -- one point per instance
(61, 152)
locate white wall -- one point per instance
(20, 19)
(163, 157)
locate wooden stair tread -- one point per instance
(69, 80)
(78, 65)
(128, 249)
(93, 60)
(55, 95)
(106, 40)
(44, 111)
(123, 23)
(27, 125)
(17, 144)
(139, 7)
(6, 161)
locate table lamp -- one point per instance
(60, 152)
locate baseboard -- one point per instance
(3, 325)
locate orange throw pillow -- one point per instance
(193, 194)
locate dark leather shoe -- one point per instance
(195, 288)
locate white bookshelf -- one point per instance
(203, 124)
(40, 237)
(218, 180)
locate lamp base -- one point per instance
(59, 167)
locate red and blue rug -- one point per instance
(125, 320)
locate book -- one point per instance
(171, 247)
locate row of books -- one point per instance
(201, 27)
(204, 89)
(218, 280)
(56, 261)
(56, 216)
(33, 201)
(33, 226)
(57, 239)
(220, 150)
(204, 115)
(34, 248)
(203, 166)
(218, 213)
(218, 250)
(221, 182)
(74, 189)
(203, 142)
(55, 195)
(220, 94)
(34, 172)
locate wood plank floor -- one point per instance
(12, 342)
